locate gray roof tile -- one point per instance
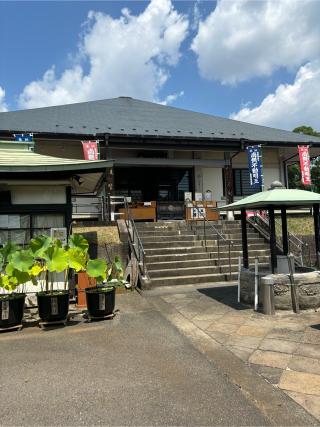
(127, 116)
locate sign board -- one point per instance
(187, 196)
(198, 197)
(208, 196)
(198, 213)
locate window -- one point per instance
(21, 228)
(241, 183)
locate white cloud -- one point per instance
(129, 56)
(3, 105)
(171, 98)
(291, 105)
(244, 38)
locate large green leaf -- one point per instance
(79, 242)
(8, 283)
(97, 268)
(16, 276)
(115, 272)
(22, 260)
(77, 259)
(56, 259)
(40, 244)
(8, 249)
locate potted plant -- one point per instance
(16, 268)
(54, 259)
(101, 299)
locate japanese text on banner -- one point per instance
(304, 164)
(90, 150)
(255, 165)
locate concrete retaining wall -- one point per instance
(308, 289)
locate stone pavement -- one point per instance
(284, 349)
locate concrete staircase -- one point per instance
(177, 255)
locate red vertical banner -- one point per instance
(304, 164)
(90, 150)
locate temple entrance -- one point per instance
(164, 185)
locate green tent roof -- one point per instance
(16, 157)
(275, 197)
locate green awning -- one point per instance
(276, 197)
(18, 159)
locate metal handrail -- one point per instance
(292, 238)
(229, 242)
(135, 242)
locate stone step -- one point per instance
(160, 224)
(202, 255)
(195, 271)
(170, 238)
(178, 243)
(174, 250)
(159, 233)
(150, 237)
(206, 262)
(235, 249)
(252, 237)
(188, 280)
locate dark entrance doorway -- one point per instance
(163, 184)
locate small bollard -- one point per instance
(267, 295)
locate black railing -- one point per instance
(220, 237)
(299, 249)
(135, 243)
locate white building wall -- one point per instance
(270, 174)
(212, 180)
(35, 195)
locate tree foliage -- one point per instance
(306, 130)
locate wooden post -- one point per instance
(68, 213)
(284, 231)
(228, 181)
(273, 243)
(84, 281)
(244, 239)
(316, 231)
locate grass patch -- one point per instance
(299, 225)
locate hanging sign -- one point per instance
(255, 165)
(304, 164)
(90, 150)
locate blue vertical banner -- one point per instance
(255, 166)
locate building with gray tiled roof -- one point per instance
(160, 152)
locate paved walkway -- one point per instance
(141, 369)
(284, 349)
(136, 370)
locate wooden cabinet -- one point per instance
(142, 211)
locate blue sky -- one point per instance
(257, 61)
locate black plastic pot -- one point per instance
(11, 310)
(100, 301)
(53, 306)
